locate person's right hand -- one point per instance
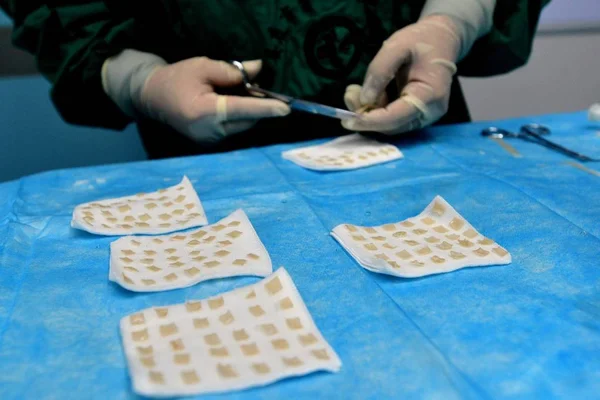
(182, 95)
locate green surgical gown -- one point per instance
(311, 49)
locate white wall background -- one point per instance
(562, 75)
(572, 12)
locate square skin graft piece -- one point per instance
(167, 210)
(230, 247)
(252, 336)
(345, 153)
(436, 241)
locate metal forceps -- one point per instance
(534, 133)
(295, 104)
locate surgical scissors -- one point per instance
(296, 104)
(534, 133)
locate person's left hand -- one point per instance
(422, 58)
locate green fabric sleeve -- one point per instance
(508, 45)
(70, 41)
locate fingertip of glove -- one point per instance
(367, 96)
(353, 88)
(351, 101)
(252, 66)
(281, 110)
(349, 124)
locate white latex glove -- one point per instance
(182, 95)
(422, 58)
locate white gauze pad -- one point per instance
(344, 153)
(252, 336)
(436, 241)
(167, 210)
(227, 248)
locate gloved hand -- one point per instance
(422, 59)
(183, 96)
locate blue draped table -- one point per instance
(527, 330)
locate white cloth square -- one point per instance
(436, 241)
(167, 210)
(347, 152)
(252, 336)
(227, 248)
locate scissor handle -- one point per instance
(253, 89)
(242, 69)
(536, 128)
(296, 104)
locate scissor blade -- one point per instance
(320, 109)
